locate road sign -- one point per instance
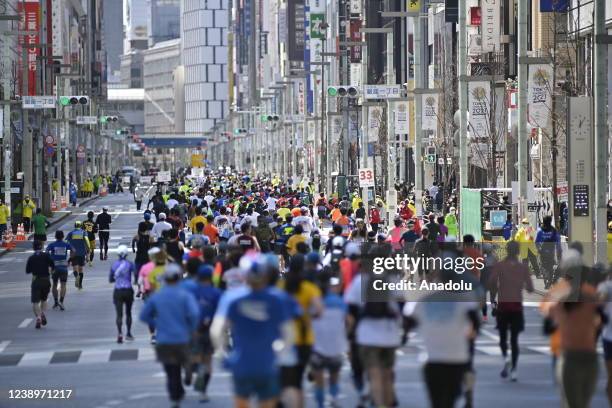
(441, 160)
(145, 179)
(86, 120)
(431, 158)
(49, 140)
(366, 177)
(449, 160)
(163, 177)
(382, 91)
(38, 102)
(497, 218)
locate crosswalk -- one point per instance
(109, 355)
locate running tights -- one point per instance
(104, 236)
(123, 297)
(514, 344)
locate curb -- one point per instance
(55, 221)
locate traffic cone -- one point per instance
(53, 206)
(64, 203)
(21, 236)
(8, 242)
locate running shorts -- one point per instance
(61, 276)
(40, 237)
(264, 388)
(321, 362)
(78, 260)
(374, 356)
(40, 289)
(513, 320)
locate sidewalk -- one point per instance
(56, 218)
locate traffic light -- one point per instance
(431, 155)
(270, 118)
(71, 100)
(240, 131)
(119, 132)
(342, 91)
(106, 119)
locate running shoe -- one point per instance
(204, 398)
(119, 339)
(43, 320)
(90, 263)
(76, 283)
(55, 305)
(504, 371)
(61, 306)
(485, 318)
(153, 340)
(513, 376)
(129, 337)
(38, 323)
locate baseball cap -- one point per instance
(205, 271)
(153, 251)
(162, 216)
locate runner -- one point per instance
(508, 279)
(60, 251)
(91, 228)
(121, 273)
(40, 266)
(103, 221)
(174, 314)
(141, 243)
(160, 227)
(40, 224)
(77, 238)
(259, 320)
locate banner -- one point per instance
(539, 94)
(490, 25)
(401, 118)
(429, 111)
(29, 12)
(478, 107)
(296, 18)
(374, 116)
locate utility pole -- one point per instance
(6, 100)
(364, 120)
(523, 156)
(600, 65)
(391, 194)
(463, 103)
(418, 107)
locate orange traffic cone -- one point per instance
(21, 236)
(7, 240)
(64, 202)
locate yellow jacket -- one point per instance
(28, 208)
(356, 201)
(5, 213)
(525, 237)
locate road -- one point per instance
(77, 350)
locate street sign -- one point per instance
(38, 102)
(86, 120)
(497, 218)
(441, 160)
(49, 140)
(197, 171)
(163, 177)
(382, 91)
(81, 152)
(562, 190)
(366, 177)
(533, 207)
(145, 179)
(449, 160)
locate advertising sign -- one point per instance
(29, 11)
(374, 117)
(429, 111)
(401, 118)
(163, 177)
(490, 25)
(539, 94)
(479, 101)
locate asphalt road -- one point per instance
(77, 350)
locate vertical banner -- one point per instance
(355, 35)
(490, 25)
(539, 94)
(374, 116)
(355, 74)
(29, 12)
(401, 118)
(295, 30)
(429, 111)
(479, 105)
(301, 97)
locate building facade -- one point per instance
(204, 33)
(164, 20)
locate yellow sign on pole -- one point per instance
(414, 6)
(197, 160)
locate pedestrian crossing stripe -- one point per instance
(91, 356)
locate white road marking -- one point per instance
(489, 350)
(4, 345)
(25, 323)
(36, 358)
(94, 356)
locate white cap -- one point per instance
(338, 242)
(162, 216)
(173, 271)
(122, 251)
(154, 251)
(352, 249)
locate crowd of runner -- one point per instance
(276, 279)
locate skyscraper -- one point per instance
(164, 20)
(204, 34)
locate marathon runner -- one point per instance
(40, 266)
(103, 221)
(89, 225)
(60, 252)
(121, 273)
(77, 238)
